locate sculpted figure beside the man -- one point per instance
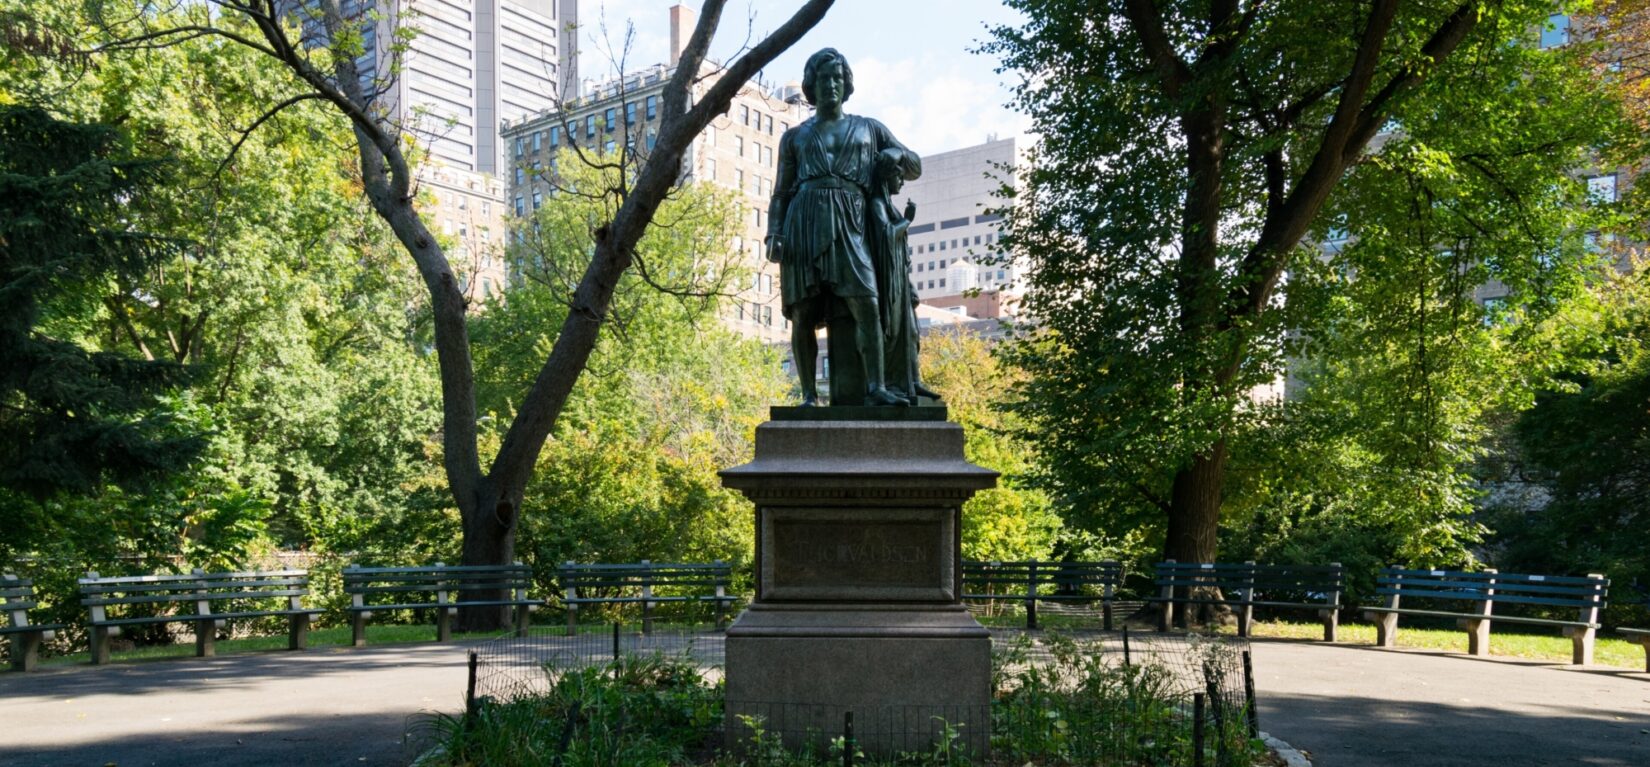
(839, 242)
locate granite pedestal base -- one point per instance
(906, 674)
(858, 590)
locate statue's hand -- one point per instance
(910, 210)
(776, 249)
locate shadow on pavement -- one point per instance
(298, 740)
(1348, 731)
(226, 671)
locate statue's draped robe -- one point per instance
(819, 209)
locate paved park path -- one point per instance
(1350, 706)
(1358, 706)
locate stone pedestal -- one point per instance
(858, 591)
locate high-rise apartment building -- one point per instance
(739, 150)
(471, 65)
(956, 257)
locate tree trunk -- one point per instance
(489, 539)
(1194, 521)
(1194, 507)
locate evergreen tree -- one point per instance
(72, 419)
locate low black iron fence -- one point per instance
(1083, 696)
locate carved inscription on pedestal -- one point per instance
(858, 554)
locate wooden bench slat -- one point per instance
(32, 627)
(419, 569)
(1594, 600)
(1464, 575)
(265, 613)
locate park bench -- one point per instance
(208, 601)
(1030, 582)
(440, 587)
(1470, 598)
(1640, 637)
(1247, 585)
(638, 583)
(16, 599)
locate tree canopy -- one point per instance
(1192, 158)
(71, 418)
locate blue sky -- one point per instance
(912, 65)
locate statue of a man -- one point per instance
(818, 221)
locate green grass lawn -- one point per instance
(1552, 647)
(335, 636)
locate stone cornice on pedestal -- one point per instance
(915, 460)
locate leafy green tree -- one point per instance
(322, 68)
(311, 383)
(1013, 521)
(1585, 447)
(72, 419)
(1189, 149)
(630, 471)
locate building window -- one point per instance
(1602, 188)
(538, 199)
(942, 282)
(767, 316)
(745, 115)
(519, 209)
(630, 113)
(919, 266)
(942, 244)
(741, 311)
(1496, 311)
(652, 138)
(767, 155)
(589, 126)
(521, 145)
(739, 180)
(784, 126)
(739, 145)
(1556, 32)
(608, 147)
(652, 107)
(538, 140)
(555, 136)
(767, 121)
(608, 120)
(710, 169)
(521, 175)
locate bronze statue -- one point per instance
(818, 225)
(891, 250)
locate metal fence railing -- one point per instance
(1084, 696)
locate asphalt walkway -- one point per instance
(1358, 706)
(1349, 706)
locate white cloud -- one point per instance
(936, 99)
(933, 106)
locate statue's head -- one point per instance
(888, 173)
(817, 63)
